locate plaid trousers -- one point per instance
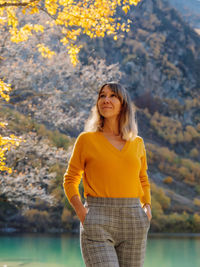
(114, 233)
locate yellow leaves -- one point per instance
(65, 40)
(59, 21)
(32, 7)
(4, 168)
(34, 10)
(6, 142)
(24, 32)
(2, 11)
(66, 2)
(70, 35)
(11, 17)
(24, 10)
(12, 140)
(95, 18)
(134, 2)
(123, 27)
(2, 17)
(3, 124)
(4, 87)
(45, 51)
(51, 6)
(38, 28)
(110, 32)
(98, 33)
(5, 145)
(126, 9)
(73, 51)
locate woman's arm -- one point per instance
(147, 210)
(80, 210)
(73, 174)
(146, 199)
(72, 178)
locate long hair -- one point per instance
(127, 123)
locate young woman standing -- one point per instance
(112, 159)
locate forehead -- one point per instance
(106, 89)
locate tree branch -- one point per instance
(6, 4)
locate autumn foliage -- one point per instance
(95, 18)
(8, 141)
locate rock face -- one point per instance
(28, 187)
(62, 96)
(160, 53)
(190, 11)
(31, 178)
(158, 61)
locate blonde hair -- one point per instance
(127, 122)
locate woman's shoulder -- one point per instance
(86, 135)
(139, 139)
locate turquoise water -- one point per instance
(183, 251)
(64, 251)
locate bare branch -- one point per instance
(13, 3)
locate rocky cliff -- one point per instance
(158, 61)
(190, 11)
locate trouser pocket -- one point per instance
(145, 216)
(87, 214)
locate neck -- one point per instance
(111, 126)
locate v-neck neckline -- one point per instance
(112, 147)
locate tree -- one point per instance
(94, 18)
(6, 142)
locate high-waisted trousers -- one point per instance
(114, 232)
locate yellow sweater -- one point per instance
(107, 171)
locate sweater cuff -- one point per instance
(145, 204)
(146, 198)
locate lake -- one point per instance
(33, 250)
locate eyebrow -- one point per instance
(102, 92)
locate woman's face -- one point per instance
(108, 104)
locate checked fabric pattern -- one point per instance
(114, 233)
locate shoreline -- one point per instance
(179, 235)
(64, 233)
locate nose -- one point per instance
(106, 99)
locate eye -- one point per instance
(101, 96)
(113, 95)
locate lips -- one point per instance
(106, 107)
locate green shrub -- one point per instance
(56, 184)
(18, 122)
(38, 220)
(196, 202)
(168, 180)
(157, 210)
(160, 197)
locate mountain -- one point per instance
(158, 61)
(190, 11)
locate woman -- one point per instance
(112, 159)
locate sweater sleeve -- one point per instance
(73, 174)
(146, 198)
